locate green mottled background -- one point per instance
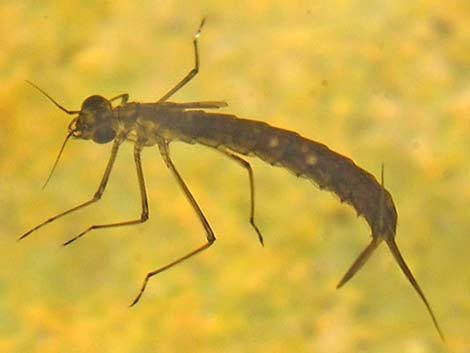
(379, 81)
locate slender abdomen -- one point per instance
(315, 161)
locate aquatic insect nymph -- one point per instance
(159, 123)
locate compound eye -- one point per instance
(96, 104)
(104, 135)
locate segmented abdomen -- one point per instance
(315, 161)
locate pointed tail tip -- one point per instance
(342, 282)
(23, 236)
(392, 245)
(441, 334)
(349, 274)
(359, 262)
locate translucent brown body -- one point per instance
(305, 158)
(160, 123)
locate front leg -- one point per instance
(96, 196)
(143, 196)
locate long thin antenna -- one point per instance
(57, 159)
(70, 112)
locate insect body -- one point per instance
(149, 124)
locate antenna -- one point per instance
(70, 112)
(57, 159)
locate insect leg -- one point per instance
(96, 196)
(164, 151)
(247, 166)
(143, 195)
(192, 72)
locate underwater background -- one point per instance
(381, 82)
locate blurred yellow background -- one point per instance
(381, 82)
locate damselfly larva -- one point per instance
(149, 124)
